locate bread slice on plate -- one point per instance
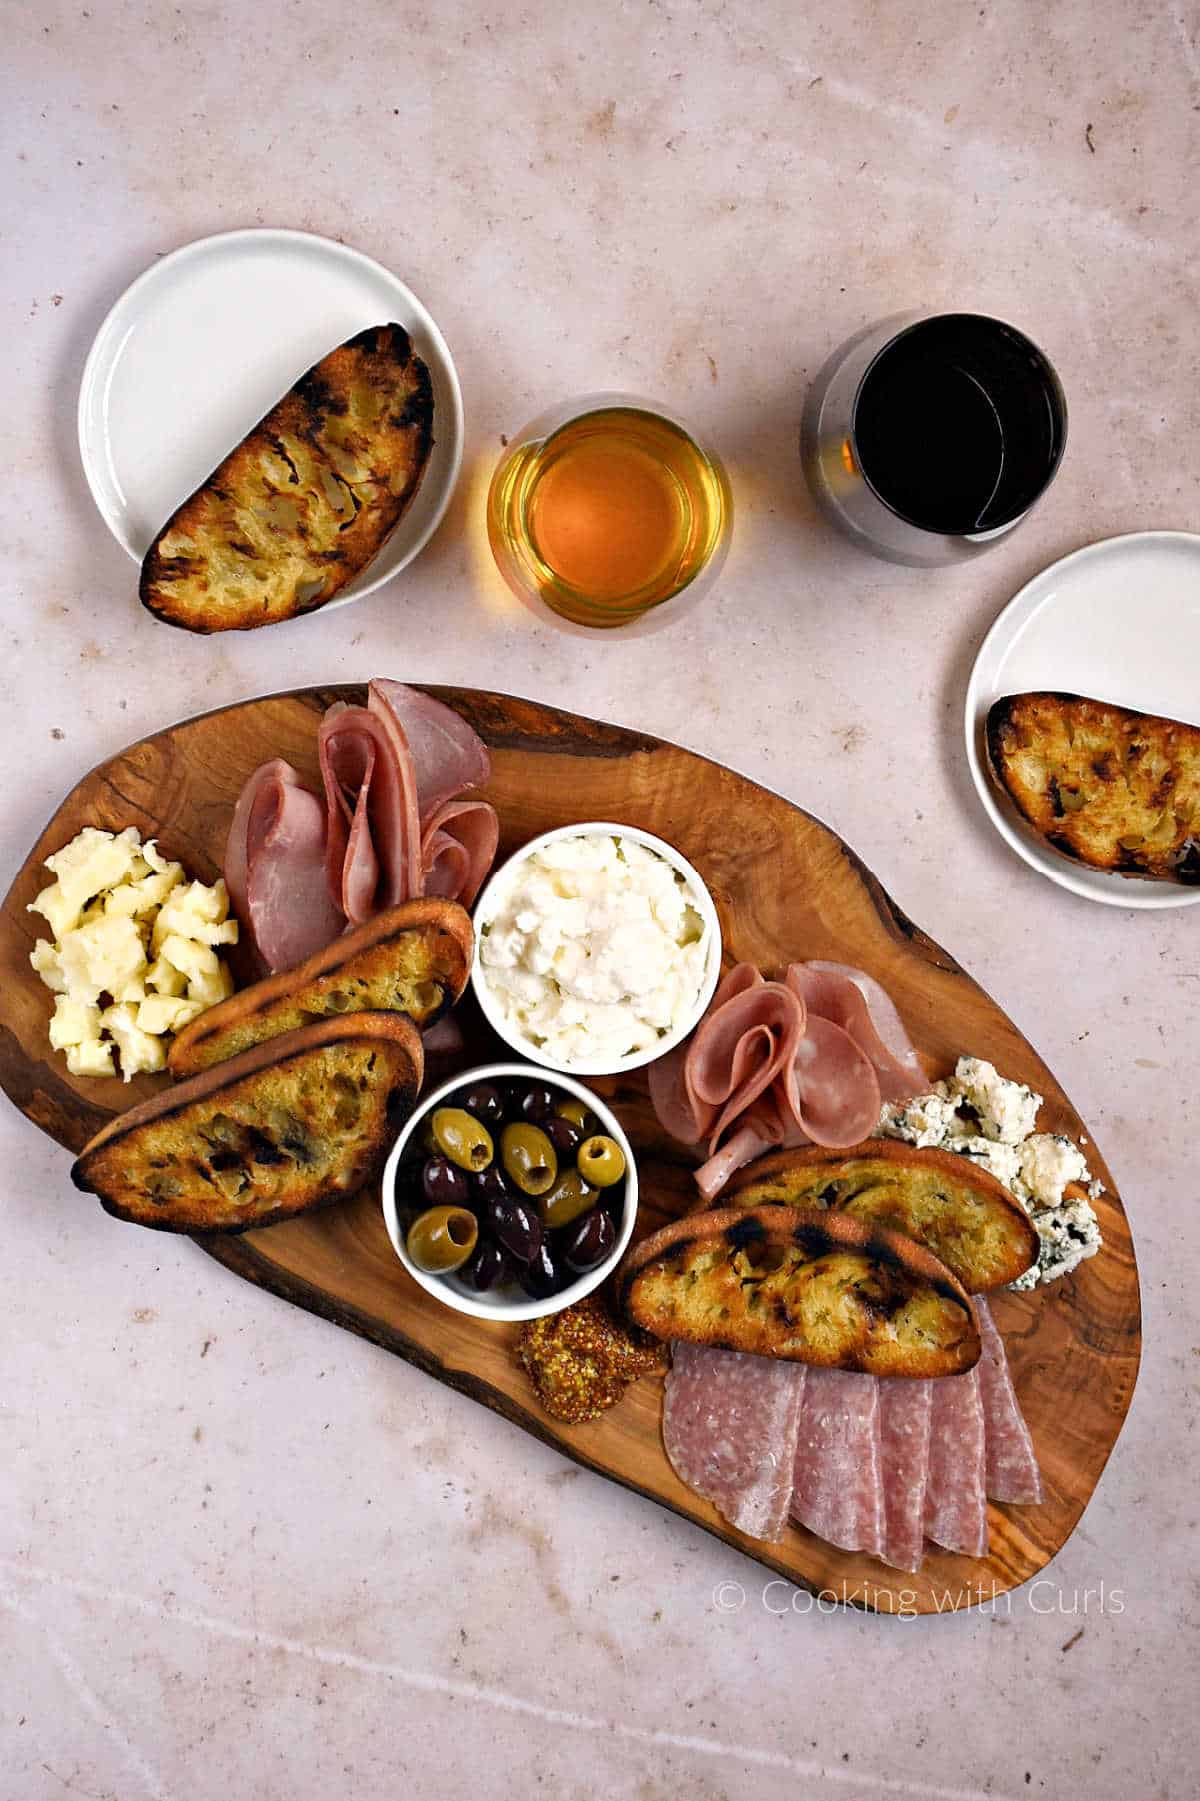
(413, 959)
(1114, 789)
(300, 1119)
(306, 499)
(958, 1211)
(807, 1286)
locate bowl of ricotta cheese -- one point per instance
(597, 949)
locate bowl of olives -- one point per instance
(511, 1192)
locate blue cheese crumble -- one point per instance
(981, 1115)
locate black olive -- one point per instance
(538, 1102)
(490, 1181)
(490, 1267)
(444, 1184)
(541, 1276)
(589, 1241)
(485, 1101)
(564, 1135)
(515, 1226)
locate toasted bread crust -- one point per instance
(1111, 788)
(960, 1212)
(413, 959)
(806, 1286)
(295, 1121)
(306, 499)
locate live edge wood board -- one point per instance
(786, 887)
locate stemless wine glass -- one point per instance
(606, 508)
(927, 436)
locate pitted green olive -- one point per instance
(442, 1239)
(601, 1161)
(528, 1157)
(458, 1135)
(569, 1197)
(575, 1111)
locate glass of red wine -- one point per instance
(929, 435)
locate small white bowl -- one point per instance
(508, 1303)
(598, 1066)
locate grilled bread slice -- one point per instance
(810, 1287)
(1114, 789)
(958, 1211)
(306, 499)
(413, 959)
(303, 1118)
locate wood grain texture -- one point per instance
(786, 887)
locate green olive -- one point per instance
(441, 1239)
(528, 1157)
(575, 1111)
(458, 1135)
(569, 1197)
(601, 1161)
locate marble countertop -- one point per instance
(242, 1553)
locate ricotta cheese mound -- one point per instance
(982, 1115)
(133, 957)
(593, 948)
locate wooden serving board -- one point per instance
(786, 887)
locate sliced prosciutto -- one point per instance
(905, 1410)
(729, 1428)
(458, 847)
(1011, 1466)
(838, 1487)
(955, 1495)
(275, 867)
(856, 1002)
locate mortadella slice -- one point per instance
(832, 1088)
(730, 1424)
(275, 868)
(458, 847)
(838, 1487)
(955, 1497)
(905, 1409)
(1011, 1468)
(855, 1001)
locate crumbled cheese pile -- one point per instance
(593, 948)
(132, 959)
(980, 1115)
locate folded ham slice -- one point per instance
(458, 847)
(729, 1428)
(373, 841)
(955, 1497)
(838, 1488)
(275, 867)
(1011, 1471)
(905, 1409)
(447, 754)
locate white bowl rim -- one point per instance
(527, 1308)
(705, 906)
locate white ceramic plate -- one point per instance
(1117, 621)
(207, 340)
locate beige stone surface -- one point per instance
(242, 1554)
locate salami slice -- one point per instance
(730, 1424)
(838, 1489)
(955, 1503)
(904, 1416)
(1011, 1467)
